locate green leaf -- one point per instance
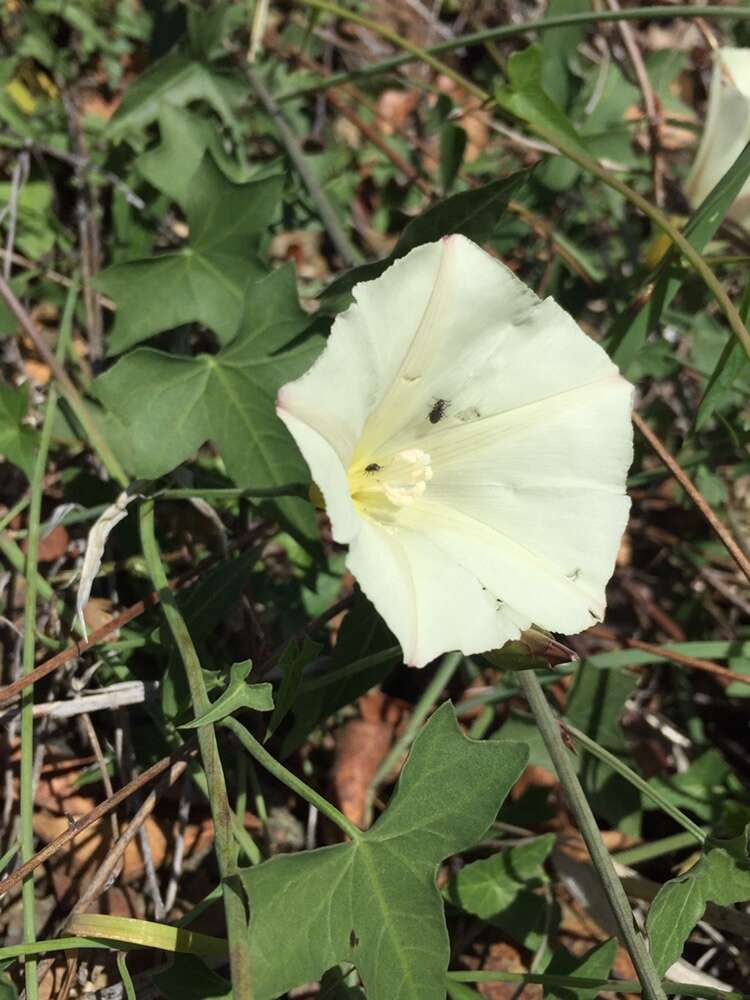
(180, 80)
(373, 902)
(488, 887)
(680, 903)
(228, 398)
(35, 219)
(333, 987)
(700, 789)
(205, 604)
(8, 989)
(17, 443)
(559, 49)
(525, 98)
(474, 213)
(293, 661)
(357, 666)
(595, 705)
(239, 694)
(595, 964)
(188, 978)
(731, 362)
(209, 29)
(500, 890)
(629, 332)
(185, 138)
(205, 280)
(452, 146)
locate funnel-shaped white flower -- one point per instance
(471, 444)
(726, 131)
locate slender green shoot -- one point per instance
(297, 785)
(549, 729)
(29, 628)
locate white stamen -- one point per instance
(406, 477)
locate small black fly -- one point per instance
(438, 410)
(373, 467)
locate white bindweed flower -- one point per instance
(471, 444)
(726, 131)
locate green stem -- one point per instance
(586, 162)
(15, 556)
(328, 214)
(600, 985)
(424, 706)
(217, 790)
(259, 493)
(55, 944)
(29, 625)
(297, 785)
(654, 849)
(663, 12)
(550, 732)
(637, 781)
(6, 859)
(127, 981)
(14, 511)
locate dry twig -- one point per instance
(718, 527)
(97, 813)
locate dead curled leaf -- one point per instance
(95, 543)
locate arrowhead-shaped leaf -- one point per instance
(526, 98)
(163, 407)
(185, 137)
(205, 280)
(179, 79)
(717, 878)
(595, 964)
(374, 902)
(239, 694)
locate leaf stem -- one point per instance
(232, 493)
(550, 732)
(297, 785)
(26, 793)
(328, 214)
(654, 849)
(613, 761)
(662, 12)
(234, 907)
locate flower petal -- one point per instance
(726, 130)
(430, 603)
(329, 475)
(534, 506)
(523, 426)
(364, 352)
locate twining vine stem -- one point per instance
(549, 729)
